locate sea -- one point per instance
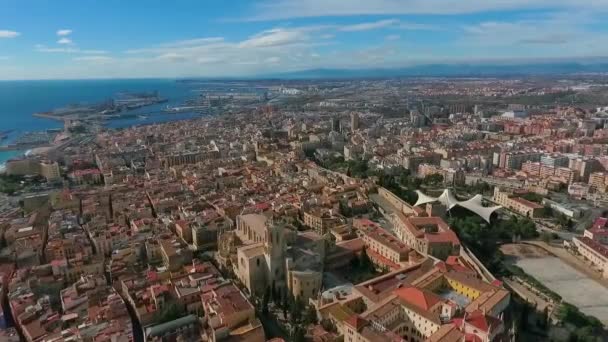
(20, 99)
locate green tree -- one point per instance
(533, 197)
(354, 262)
(358, 168)
(344, 209)
(285, 302)
(311, 315)
(434, 179)
(546, 237)
(523, 318)
(364, 261)
(171, 311)
(52, 290)
(275, 297)
(587, 334)
(298, 335)
(266, 300)
(296, 309)
(328, 325)
(589, 328)
(404, 177)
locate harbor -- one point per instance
(128, 103)
(115, 108)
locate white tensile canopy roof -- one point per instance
(473, 204)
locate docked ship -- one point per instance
(184, 109)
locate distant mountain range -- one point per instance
(453, 70)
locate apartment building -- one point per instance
(594, 252)
(599, 181)
(519, 205)
(321, 219)
(593, 245)
(384, 249)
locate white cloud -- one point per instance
(8, 34)
(194, 42)
(68, 50)
(272, 60)
(387, 23)
(558, 28)
(248, 62)
(97, 59)
(369, 26)
(65, 41)
(172, 57)
(208, 60)
(269, 50)
(275, 37)
(288, 48)
(286, 9)
(190, 44)
(554, 35)
(64, 32)
(417, 27)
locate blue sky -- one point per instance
(180, 38)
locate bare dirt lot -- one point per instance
(574, 286)
(523, 251)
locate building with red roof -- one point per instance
(424, 300)
(478, 326)
(428, 235)
(593, 251)
(227, 310)
(598, 230)
(384, 249)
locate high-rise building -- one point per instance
(49, 170)
(584, 167)
(515, 160)
(554, 160)
(354, 121)
(335, 124)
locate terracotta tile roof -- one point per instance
(480, 321)
(356, 322)
(354, 245)
(527, 203)
(447, 333)
(594, 245)
(382, 260)
(443, 234)
(421, 298)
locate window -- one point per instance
(258, 262)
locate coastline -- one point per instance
(26, 104)
(5, 156)
(115, 123)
